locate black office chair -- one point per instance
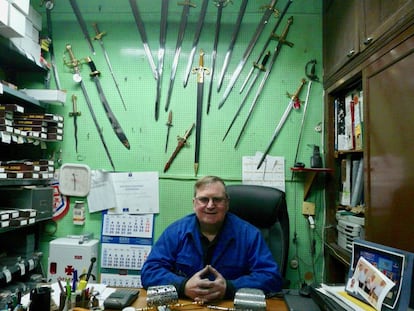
(265, 208)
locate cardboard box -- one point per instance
(4, 13)
(21, 5)
(17, 21)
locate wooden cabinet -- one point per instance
(340, 33)
(383, 70)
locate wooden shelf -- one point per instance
(310, 176)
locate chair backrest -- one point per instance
(266, 208)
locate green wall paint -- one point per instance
(147, 137)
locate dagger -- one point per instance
(200, 71)
(182, 141)
(169, 125)
(75, 114)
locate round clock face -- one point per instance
(75, 180)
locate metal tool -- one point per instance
(169, 125)
(197, 34)
(233, 39)
(75, 114)
(161, 54)
(162, 295)
(269, 39)
(82, 24)
(220, 4)
(187, 4)
(98, 37)
(263, 22)
(200, 71)
(294, 103)
(141, 29)
(310, 73)
(111, 117)
(281, 41)
(262, 68)
(182, 141)
(74, 64)
(49, 7)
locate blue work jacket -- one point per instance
(241, 256)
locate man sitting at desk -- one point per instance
(210, 254)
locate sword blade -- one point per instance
(141, 29)
(98, 37)
(241, 105)
(75, 127)
(276, 52)
(95, 121)
(220, 4)
(276, 132)
(248, 51)
(180, 38)
(200, 90)
(51, 49)
(82, 24)
(111, 117)
(269, 39)
(197, 34)
(161, 54)
(233, 39)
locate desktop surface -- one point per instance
(274, 304)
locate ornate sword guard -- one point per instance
(250, 299)
(73, 62)
(162, 295)
(282, 37)
(99, 34)
(187, 2)
(276, 12)
(295, 97)
(222, 3)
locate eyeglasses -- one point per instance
(205, 200)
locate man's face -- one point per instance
(210, 204)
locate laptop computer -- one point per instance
(295, 302)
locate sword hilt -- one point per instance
(98, 33)
(187, 2)
(310, 72)
(295, 97)
(94, 72)
(222, 3)
(271, 7)
(262, 65)
(201, 70)
(75, 112)
(169, 121)
(282, 37)
(74, 63)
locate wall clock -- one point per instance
(75, 179)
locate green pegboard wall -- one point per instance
(147, 136)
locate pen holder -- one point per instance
(161, 295)
(40, 298)
(250, 299)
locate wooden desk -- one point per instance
(274, 304)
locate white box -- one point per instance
(35, 18)
(4, 13)
(21, 5)
(17, 21)
(68, 254)
(47, 96)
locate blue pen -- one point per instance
(74, 280)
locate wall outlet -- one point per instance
(308, 208)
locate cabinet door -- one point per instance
(389, 117)
(340, 33)
(378, 16)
